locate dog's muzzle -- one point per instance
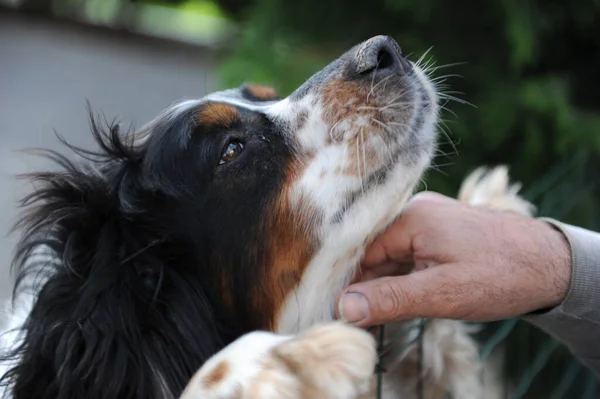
(380, 53)
(371, 60)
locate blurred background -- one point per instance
(529, 70)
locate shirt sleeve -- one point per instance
(576, 321)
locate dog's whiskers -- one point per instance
(445, 108)
(441, 78)
(436, 169)
(364, 151)
(447, 135)
(388, 156)
(385, 126)
(332, 136)
(358, 165)
(418, 62)
(373, 87)
(447, 96)
(384, 107)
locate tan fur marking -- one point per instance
(342, 99)
(348, 101)
(217, 114)
(312, 364)
(362, 156)
(217, 375)
(265, 93)
(286, 385)
(290, 247)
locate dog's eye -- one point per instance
(231, 152)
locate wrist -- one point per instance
(557, 263)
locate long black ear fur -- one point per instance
(118, 313)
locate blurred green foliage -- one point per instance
(531, 70)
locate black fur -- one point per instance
(145, 234)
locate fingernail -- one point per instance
(354, 307)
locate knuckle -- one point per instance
(391, 298)
(416, 206)
(455, 308)
(459, 304)
(426, 198)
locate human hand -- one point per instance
(471, 264)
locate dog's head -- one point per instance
(234, 212)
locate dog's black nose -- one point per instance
(380, 53)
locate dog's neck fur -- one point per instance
(313, 301)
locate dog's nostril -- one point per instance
(380, 53)
(384, 59)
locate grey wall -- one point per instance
(49, 69)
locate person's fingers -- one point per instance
(446, 291)
(384, 269)
(387, 269)
(423, 264)
(396, 242)
(393, 245)
(430, 196)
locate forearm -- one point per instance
(576, 321)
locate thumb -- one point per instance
(427, 293)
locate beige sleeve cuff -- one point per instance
(576, 321)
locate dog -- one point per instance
(201, 255)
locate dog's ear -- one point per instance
(258, 92)
(113, 318)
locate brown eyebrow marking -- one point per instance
(217, 114)
(260, 92)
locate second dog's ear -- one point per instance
(257, 92)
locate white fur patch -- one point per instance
(332, 361)
(343, 242)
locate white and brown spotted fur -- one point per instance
(333, 360)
